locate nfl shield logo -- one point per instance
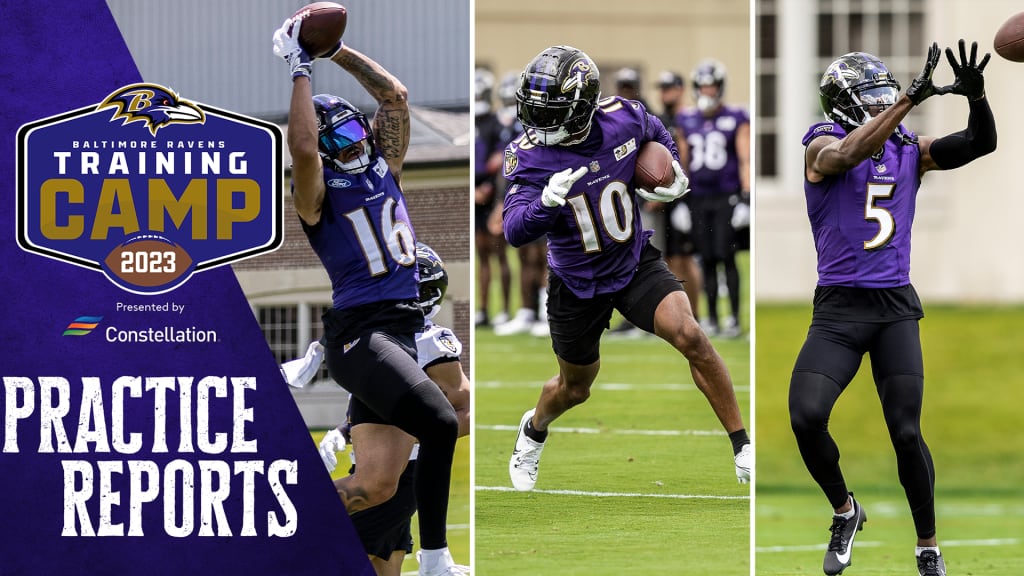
(595, 166)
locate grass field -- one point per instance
(974, 392)
(458, 505)
(638, 480)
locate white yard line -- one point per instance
(615, 494)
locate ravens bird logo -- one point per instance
(153, 104)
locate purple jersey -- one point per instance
(365, 238)
(861, 219)
(594, 241)
(714, 166)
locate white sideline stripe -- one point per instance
(614, 494)
(871, 544)
(507, 428)
(609, 386)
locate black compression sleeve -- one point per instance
(978, 139)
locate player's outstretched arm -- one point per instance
(307, 169)
(979, 138)
(828, 156)
(391, 122)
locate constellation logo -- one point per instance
(82, 325)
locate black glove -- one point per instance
(922, 87)
(969, 80)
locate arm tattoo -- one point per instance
(373, 78)
(392, 128)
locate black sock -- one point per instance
(738, 438)
(532, 434)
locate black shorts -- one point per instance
(577, 323)
(378, 370)
(712, 225)
(387, 527)
(678, 243)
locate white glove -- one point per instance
(332, 443)
(743, 464)
(286, 45)
(681, 218)
(558, 186)
(678, 189)
(297, 373)
(741, 216)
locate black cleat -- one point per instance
(930, 563)
(840, 546)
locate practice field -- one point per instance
(638, 480)
(458, 505)
(974, 393)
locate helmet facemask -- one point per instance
(708, 73)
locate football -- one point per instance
(323, 24)
(653, 167)
(1009, 39)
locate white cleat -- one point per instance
(521, 323)
(743, 464)
(443, 566)
(522, 467)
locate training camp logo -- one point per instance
(149, 188)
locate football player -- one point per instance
(677, 218)
(346, 185)
(569, 179)
(862, 172)
(487, 165)
(385, 529)
(714, 142)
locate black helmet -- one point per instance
(433, 279)
(341, 125)
(558, 94)
(708, 73)
(856, 88)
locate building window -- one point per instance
(289, 329)
(280, 325)
(893, 31)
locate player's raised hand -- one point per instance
(558, 186)
(286, 46)
(921, 87)
(969, 81)
(332, 443)
(680, 186)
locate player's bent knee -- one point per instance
(577, 394)
(688, 338)
(906, 437)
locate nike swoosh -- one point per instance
(845, 558)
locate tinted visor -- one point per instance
(544, 116)
(343, 135)
(878, 96)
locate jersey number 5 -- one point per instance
(396, 234)
(886, 224)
